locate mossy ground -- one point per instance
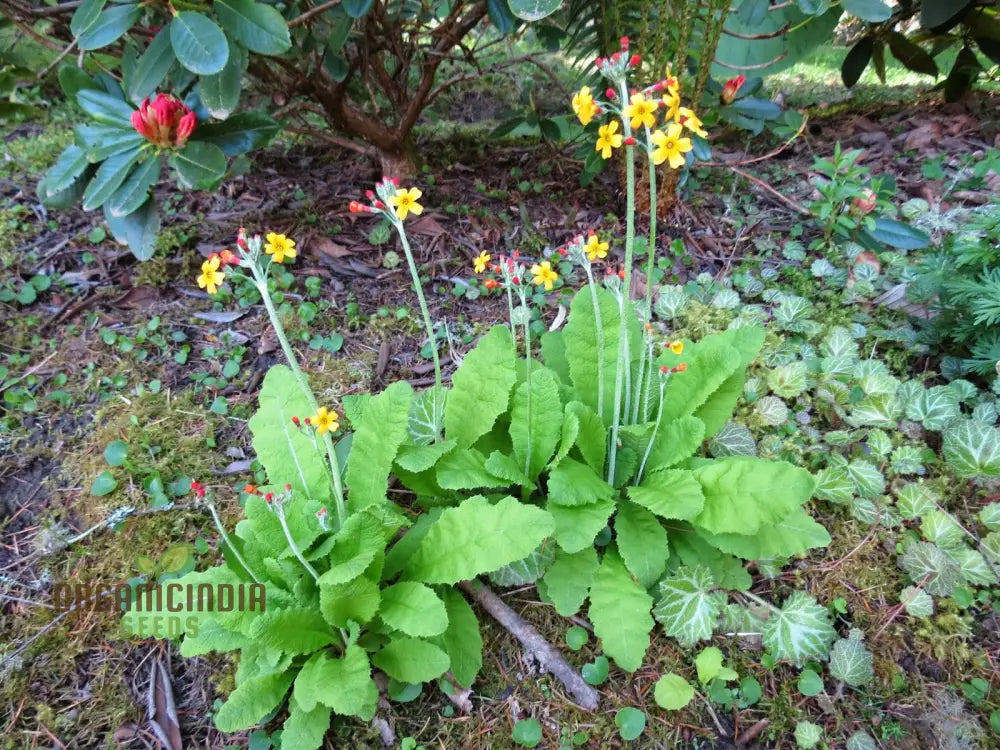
(81, 682)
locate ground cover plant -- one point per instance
(517, 463)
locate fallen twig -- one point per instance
(549, 658)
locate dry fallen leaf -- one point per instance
(326, 246)
(160, 709)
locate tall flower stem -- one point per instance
(527, 378)
(225, 538)
(279, 511)
(623, 355)
(656, 428)
(650, 268)
(599, 332)
(424, 310)
(279, 330)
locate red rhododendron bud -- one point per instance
(730, 88)
(635, 61)
(165, 122)
(369, 195)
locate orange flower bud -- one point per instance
(731, 88)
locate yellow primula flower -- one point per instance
(279, 247)
(671, 84)
(672, 103)
(544, 275)
(405, 202)
(325, 421)
(641, 111)
(608, 139)
(583, 106)
(595, 248)
(670, 146)
(689, 119)
(677, 347)
(211, 277)
(479, 264)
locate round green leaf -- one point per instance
(596, 672)
(110, 25)
(116, 453)
(576, 637)
(527, 732)
(104, 484)
(810, 683)
(673, 692)
(199, 44)
(630, 722)
(258, 27)
(404, 692)
(709, 664)
(199, 164)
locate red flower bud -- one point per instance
(353, 207)
(682, 367)
(516, 280)
(621, 274)
(562, 251)
(269, 497)
(635, 61)
(288, 488)
(184, 128)
(241, 238)
(610, 93)
(630, 141)
(395, 181)
(295, 421)
(731, 88)
(306, 420)
(517, 253)
(616, 57)
(599, 61)
(664, 370)
(624, 43)
(321, 513)
(165, 122)
(379, 204)
(369, 195)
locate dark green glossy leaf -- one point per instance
(873, 11)
(989, 46)
(357, 8)
(505, 127)
(938, 13)
(138, 230)
(110, 25)
(199, 165)
(258, 27)
(86, 16)
(135, 190)
(109, 177)
(240, 133)
(911, 55)
(70, 165)
(152, 67)
(857, 60)
(897, 234)
(68, 197)
(199, 44)
(73, 80)
(105, 108)
(221, 93)
(501, 16)
(758, 109)
(963, 73)
(101, 141)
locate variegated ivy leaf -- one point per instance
(788, 380)
(726, 299)
(916, 602)
(916, 500)
(861, 740)
(734, 439)
(972, 449)
(940, 528)
(868, 480)
(689, 606)
(879, 443)
(985, 412)
(772, 411)
(527, 570)
(800, 630)
(877, 410)
(839, 343)
(927, 563)
(935, 407)
(850, 661)
(865, 511)
(670, 302)
(990, 516)
(973, 566)
(834, 484)
(990, 545)
(963, 389)
(907, 459)
(807, 735)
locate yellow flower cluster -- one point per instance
(668, 143)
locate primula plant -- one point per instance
(571, 462)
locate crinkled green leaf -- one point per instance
(575, 483)
(412, 660)
(462, 640)
(480, 388)
(926, 563)
(535, 443)
(619, 611)
(672, 494)
(568, 579)
(414, 609)
(850, 661)
(642, 542)
(376, 440)
(252, 701)
(576, 526)
(343, 684)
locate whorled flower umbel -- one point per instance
(165, 121)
